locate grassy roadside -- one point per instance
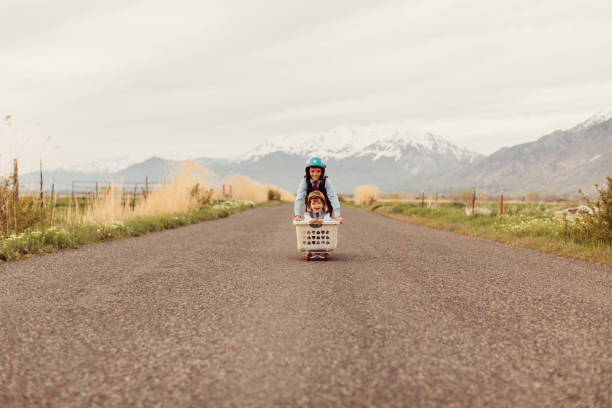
(533, 226)
(38, 241)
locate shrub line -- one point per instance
(51, 239)
(530, 227)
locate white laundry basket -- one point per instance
(316, 238)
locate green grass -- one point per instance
(50, 239)
(532, 226)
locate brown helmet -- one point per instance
(319, 195)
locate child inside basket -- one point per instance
(316, 180)
(316, 209)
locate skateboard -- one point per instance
(311, 255)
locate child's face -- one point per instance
(316, 204)
(315, 173)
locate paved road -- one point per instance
(227, 313)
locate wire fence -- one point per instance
(93, 189)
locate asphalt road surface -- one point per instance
(227, 313)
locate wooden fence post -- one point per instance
(223, 190)
(146, 194)
(501, 198)
(230, 191)
(15, 182)
(134, 203)
(42, 196)
(473, 199)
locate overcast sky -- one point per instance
(183, 79)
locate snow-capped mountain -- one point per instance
(599, 117)
(390, 156)
(375, 141)
(564, 161)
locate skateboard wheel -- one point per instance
(308, 257)
(327, 257)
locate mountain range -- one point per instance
(563, 161)
(386, 156)
(396, 159)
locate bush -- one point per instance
(273, 195)
(551, 197)
(596, 226)
(19, 216)
(202, 195)
(366, 195)
(533, 197)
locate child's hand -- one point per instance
(313, 221)
(320, 222)
(339, 219)
(298, 218)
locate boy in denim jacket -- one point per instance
(316, 180)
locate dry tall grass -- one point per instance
(191, 186)
(366, 195)
(173, 196)
(178, 194)
(244, 188)
(284, 195)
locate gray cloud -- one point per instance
(192, 78)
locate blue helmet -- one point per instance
(315, 162)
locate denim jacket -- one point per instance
(331, 194)
(317, 216)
